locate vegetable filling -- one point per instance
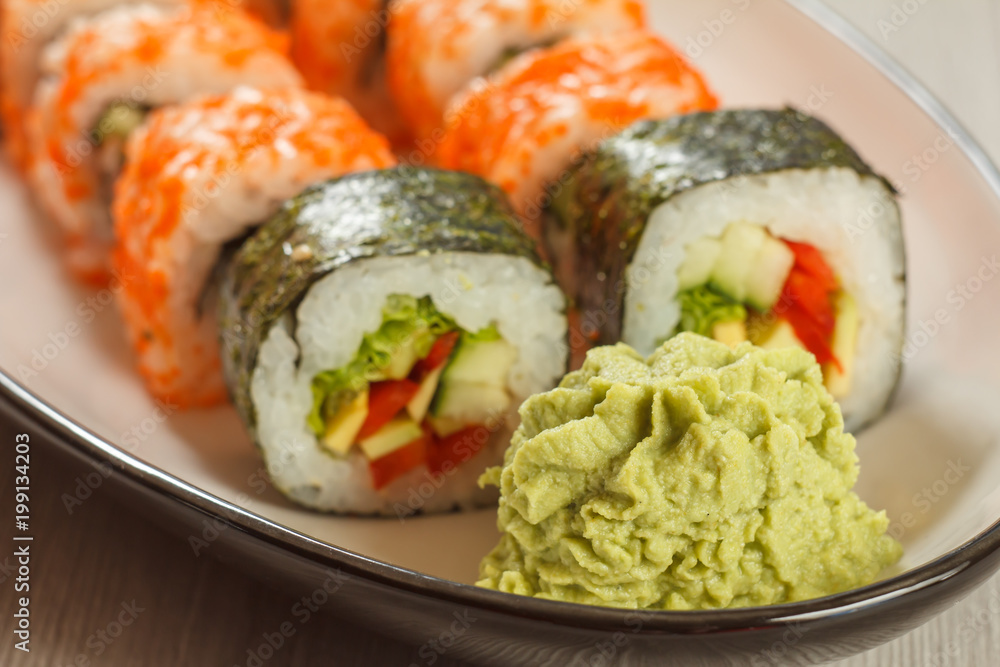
(749, 285)
(419, 390)
(109, 135)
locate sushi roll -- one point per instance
(198, 175)
(436, 47)
(380, 332)
(537, 113)
(104, 76)
(29, 26)
(339, 46)
(739, 225)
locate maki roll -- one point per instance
(339, 46)
(104, 76)
(537, 113)
(378, 335)
(739, 225)
(197, 176)
(29, 26)
(436, 47)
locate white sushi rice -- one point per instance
(475, 290)
(850, 219)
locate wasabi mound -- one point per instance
(702, 477)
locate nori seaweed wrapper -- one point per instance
(603, 204)
(383, 213)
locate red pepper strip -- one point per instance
(385, 400)
(807, 301)
(811, 336)
(447, 453)
(810, 260)
(440, 351)
(802, 292)
(400, 461)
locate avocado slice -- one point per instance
(343, 428)
(421, 401)
(407, 352)
(119, 120)
(732, 333)
(773, 335)
(843, 345)
(445, 426)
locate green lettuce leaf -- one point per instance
(406, 320)
(702, 308)
(487, 335)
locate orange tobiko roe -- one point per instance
(602, 82)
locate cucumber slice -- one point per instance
(699, 260)
(399, 432)
(845, 335)
(473, 385)
(470, 403)
(769, 272)
(343, 428)
(480, 362)
(740, 244)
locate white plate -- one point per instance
(932, 461)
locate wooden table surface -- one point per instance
(110, 588)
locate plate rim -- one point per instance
(22, 404)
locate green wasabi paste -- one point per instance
(702, 477)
